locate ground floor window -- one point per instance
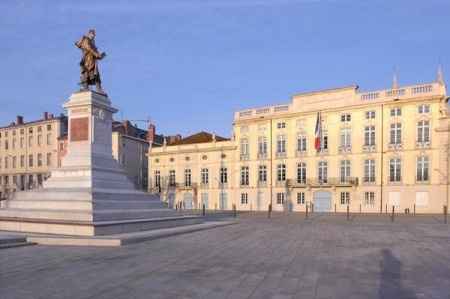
(280, 198)
(244, 198)
(301, 198)
(369, 199)
(345, 198)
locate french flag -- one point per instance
(318, 132)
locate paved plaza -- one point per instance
(286, 256)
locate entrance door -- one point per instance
(259, 200)
(322, 201)
(187, 201)
(223, 201)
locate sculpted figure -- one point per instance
(90, 74)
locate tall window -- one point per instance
(369, 171)
(21, 142)
(301, 143)
(204, 176)
(244, 148)
(14, 162)
(301, 198)
(346, 135)
(22, 161)
(369, 135)
(6, 162)
(423, 131)
(244, 198)
(324, 141)
(280, 198)
(49, 159)
(262, 146)
(281, 145)
(187, 177)
(323, 172)
(39, 159)
(157, 178)
(281, 172)
(301, 173)
(422, 169)
(395, 166)
(49, 139)
(345, 198)
(30, 161)
(369, 199)
(223, 175)
(396, 133)
(262, 174)
(245, 176)
(39, 140)
(172, 180)
(345, 170)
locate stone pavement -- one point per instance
(287, 256)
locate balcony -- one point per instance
(425, 144)
(369, 148)
(244, 157)
(345, 149)
(262, 156)
(328, 182)
(281, 155)
(395, 146)
(184, 187)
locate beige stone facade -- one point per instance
(28, 151)
(379, 149)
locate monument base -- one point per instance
(90, 195)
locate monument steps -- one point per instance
(97, 228)
(86, 215)
(69, 204)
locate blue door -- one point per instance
(322, 201)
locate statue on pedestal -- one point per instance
(90, 74)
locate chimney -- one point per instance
(45, 115)
(19, 120)
(151, 133)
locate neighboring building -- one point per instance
(28, 150)
(375, 150)
(193, 170)
(130, 147)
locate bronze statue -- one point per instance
(90, 74)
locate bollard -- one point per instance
(176, 207)
(335, 210)
(414, 209)
(360, 208)
(445, 214)
(306, 215)
(269, 211)
(312, 208)
(204, 210)
(393, 211)
(234, 210)
(386, 208)
(348, 212)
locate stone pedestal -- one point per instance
(90, 194)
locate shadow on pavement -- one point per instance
(390, 278)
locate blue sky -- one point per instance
(189, 64)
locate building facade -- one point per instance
(374, 151)
(28, 150)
